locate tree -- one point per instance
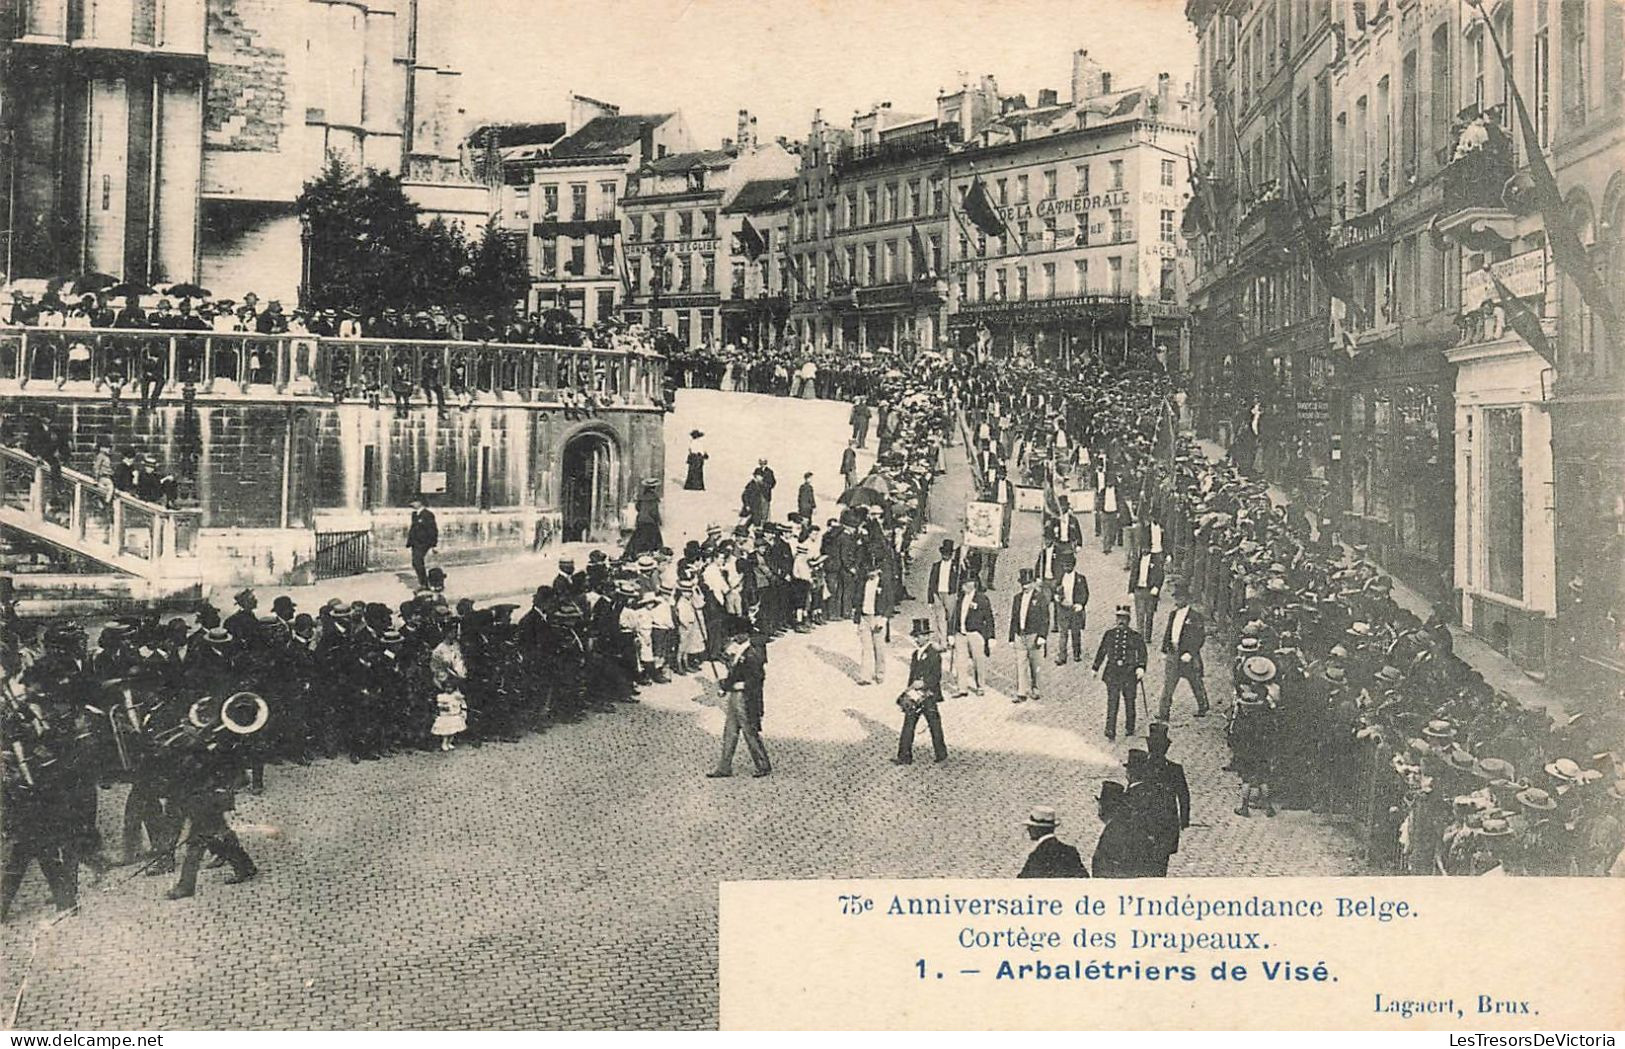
(369, 249)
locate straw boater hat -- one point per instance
(1043, 817)
(1439, 731)
(1259, 669)
(1536, 799)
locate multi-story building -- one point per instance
(572, 193)
(167, 140)
(678, 253)
(757, 304)
(1540, 446)
(869, 225)
(1091, 193)
(1259, 310)
(1395, 106)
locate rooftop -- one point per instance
(605, 136)
(704, 159)
(762, 194)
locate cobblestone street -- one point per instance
(570, 880)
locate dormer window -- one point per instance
(696, 181)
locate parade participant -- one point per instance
(1171, 774)
(202, 795)
(1154, 806)
(871, 613)
(971, 630)
(860, 422)
(942, 590)
(646, 528)
(422, 535)
(1029, 629)
(1120, 662)
(741, 690)
(921, 697)
(1182, 654)
(769, 482)
(695, 481)
(243, 624)
(1071, 603)
(849, 464)
(1124, 849)
(1050, 856)
(1145, 584)
(1251, 745)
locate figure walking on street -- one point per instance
(742, 691)
(921, 697)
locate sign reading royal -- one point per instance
(1043, 209)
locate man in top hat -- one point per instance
(1051, 857)
(941, 589)
(1125, 849)
(422, 535)
(1145, 579)
(742, 690)
(1171, 774)
(860, 422)
(971, 629)
(1029, 629)
(1182, 654)
(1120, 662)
(1155, 806)
(849, 464)
(1069, 608)
(920, 698)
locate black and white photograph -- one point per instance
(477, 476)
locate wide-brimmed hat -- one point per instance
(1259, 669)
(1461, 760)
(1043, 816)
(1536, 799)
(696, 433)
(646, 562)
(1439, 730)
(217, 636)
(1566, 769)
(1494, 827)
(1249, 644)
(1495, 770)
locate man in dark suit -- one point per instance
(1124, 849)
(1182, 654)
(806, 502)
(1145, 584)
(860, 422)
(1029, 630)
(1156, 809)
(971, 628)
(770, 481)
(1071, 605)
(742, 690)
(849, 464)
(1171, 774)
(422, 535)
(941, 588)
(1120, 663)
(921, 697)
(1051, 857)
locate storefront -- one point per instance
(1504, 520)
(1588, 449)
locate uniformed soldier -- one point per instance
(1120, 663)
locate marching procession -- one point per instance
(1344, 702)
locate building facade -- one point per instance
(757, 304)
(680, 253)
(570, 197)
(1091, 193)
(167, 140)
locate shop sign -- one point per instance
(1524, 275)
(1063, 206)
(673, 247)
(1314, 410)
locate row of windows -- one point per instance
(678, 273)
(674, 225)
(692, 327)
(1017, 283)
(568, 256)
(545, 198)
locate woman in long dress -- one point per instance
(646, 530)
(695, 481)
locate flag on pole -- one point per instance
(979, 209)
(750, 241)
(1568, 251)
(1520, 318)
(922, 255)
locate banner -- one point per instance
(984, 525)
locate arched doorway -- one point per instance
(589, 487)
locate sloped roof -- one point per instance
(761, 194)
(607, 135)
(533, 134)
(701, 159)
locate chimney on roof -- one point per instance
(754, 140)
(1087, 78)
(1047, 96)
(1165, 91)
(1105, 83)
(727, 145)
(742, 132)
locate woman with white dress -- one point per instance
(450, 671)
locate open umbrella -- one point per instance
(128, 288)
(871, 490)
(89, 283)
(188, 290)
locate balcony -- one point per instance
(921, 146)
(1476, 179)
(225, 367)
(923, 291)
